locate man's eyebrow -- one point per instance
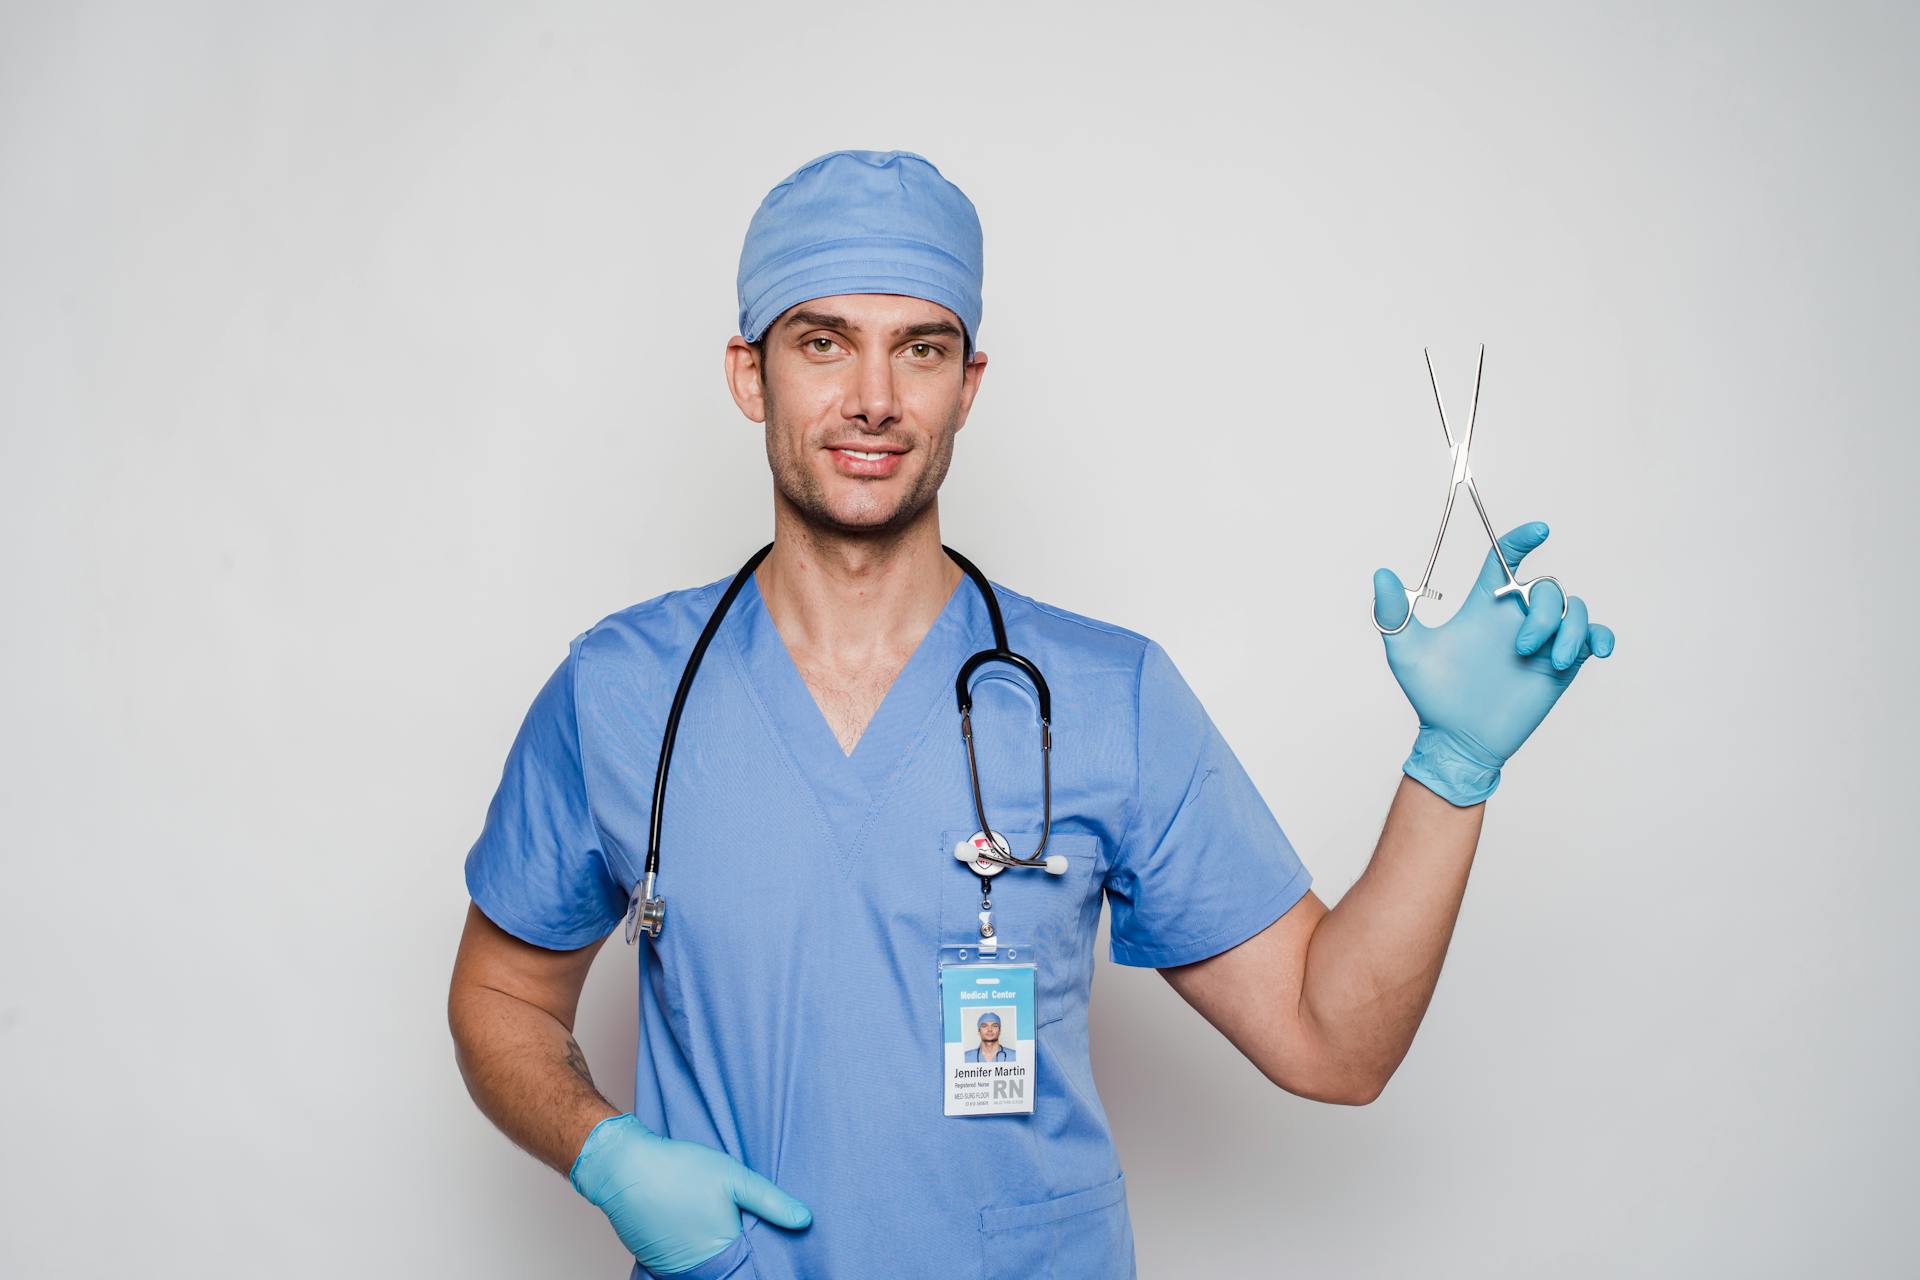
(931, 329)
(827, 320)
(818, 320)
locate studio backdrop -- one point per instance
(354, 357)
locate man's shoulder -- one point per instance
(654, 627)
(1036, 626)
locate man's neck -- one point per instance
(850, 598)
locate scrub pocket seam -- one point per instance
(1058, 1209)
(1083, 1233)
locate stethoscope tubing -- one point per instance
(651, 910)
(963, 697)
(680, 703)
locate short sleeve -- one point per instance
(538, 869)
(1203, 865)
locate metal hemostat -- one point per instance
(1463, 474)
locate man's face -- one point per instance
(989, 1034)
(862, 395)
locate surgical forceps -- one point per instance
(1463, 474)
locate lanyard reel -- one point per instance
(988, 852)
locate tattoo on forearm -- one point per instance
(577, 1062)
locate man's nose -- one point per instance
(870, 400)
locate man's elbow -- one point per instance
(1361, 1094)
(1354, 1095)
(1346, 1088)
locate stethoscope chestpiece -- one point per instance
(989, 857)
(646, 913)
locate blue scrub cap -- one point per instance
(861, 222)
(988, 1016)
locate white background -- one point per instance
(355, 356)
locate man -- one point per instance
(815, 846)
(990, 1049)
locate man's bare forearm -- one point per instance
(1373, 961)
(526, 1072)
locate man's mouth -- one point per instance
(866, 464)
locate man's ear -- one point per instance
(970, 375)
(745, 378)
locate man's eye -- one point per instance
(820, 345)
(920, 350)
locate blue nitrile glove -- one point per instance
(1485, 678)
(674, 1204)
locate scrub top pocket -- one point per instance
(1055, 914)
(1082, 1234)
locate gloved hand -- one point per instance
(1486, 677)
(674, 1204)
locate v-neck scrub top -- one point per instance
(790, 1012)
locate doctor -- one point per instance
(990, 1049)
(820, 786)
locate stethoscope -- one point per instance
(988, 853)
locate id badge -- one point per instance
(986, 1005)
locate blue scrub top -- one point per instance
(809, 889)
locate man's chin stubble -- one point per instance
(810, 502)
